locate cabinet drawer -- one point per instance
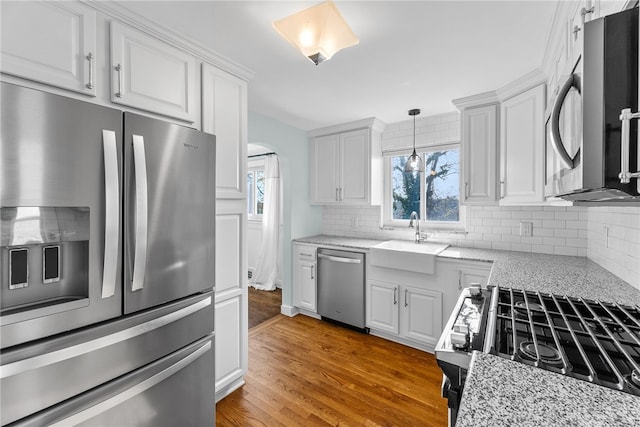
(305, 252)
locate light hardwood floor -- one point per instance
(304, 371)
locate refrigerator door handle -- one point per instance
(112, 402)
(111, 213)
(140, 254)
(67, 353)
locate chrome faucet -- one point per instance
(418, 237)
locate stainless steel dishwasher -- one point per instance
(341, 287)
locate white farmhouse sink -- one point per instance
(407, 256)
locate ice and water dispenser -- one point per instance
(44, 257)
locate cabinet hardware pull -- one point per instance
(575, 31)
(312, 277)
(584, 12)
(119, 93)
(625, 176)
(406, 295)
(395, 296)
(466, 190)
(90, 58)
(341, 199)
(459, 280)
(502, 189)
(337, 197)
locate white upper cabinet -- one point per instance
(346, 165)
(50, 42)
(522, 148)
(152, 75)
(479, 150)
(224, 113)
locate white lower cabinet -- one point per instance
(230, 351)
(421, 313)
(459, 274)
(409, 312)
(231, 316)
(304, 277)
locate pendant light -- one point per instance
(414, 162)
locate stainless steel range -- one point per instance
(592, 341)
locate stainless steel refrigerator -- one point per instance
(106, 266)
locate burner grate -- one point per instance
(589, 340)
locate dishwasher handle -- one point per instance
(340, 259)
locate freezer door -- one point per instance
(60, 198)
(177, 390)
(169, 211)
(38, 376)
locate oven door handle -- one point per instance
(556, 138)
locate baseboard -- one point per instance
(409, 343)
(288, 310)
(226, 391)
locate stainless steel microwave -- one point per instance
(585, 159)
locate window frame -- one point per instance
(387, 201)
(254, 167)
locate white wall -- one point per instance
(299, 217)
(614, 241)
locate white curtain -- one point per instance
(266, 271)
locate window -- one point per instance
(434, 195)
(255, 192)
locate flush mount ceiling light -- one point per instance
(414, 162)
(318, 32)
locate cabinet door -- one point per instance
(230, 345)
(522, 148)
(324, 169)
(304, 287)
(224, 114)
(479, 153)
(421, 315)
(152, 75)
(382, 310)
(354, 163)
(50, 42)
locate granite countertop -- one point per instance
(501, 392)
(344, 242)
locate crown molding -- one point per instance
(172, 37)
(522, 84)
(485, 98)
(371, 122)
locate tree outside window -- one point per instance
(436, 197)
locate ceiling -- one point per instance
(412, 54)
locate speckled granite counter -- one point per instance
(555, 274)
(500, 392)
(344, 242)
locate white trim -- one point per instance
(478, 100)
(289, 310)
(524, 83)
(427, 226)
(372, 123)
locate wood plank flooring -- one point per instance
(263, 305)
(303, 371)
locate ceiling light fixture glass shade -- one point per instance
(318, 32)
(414, 163)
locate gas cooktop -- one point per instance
(590, 340)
